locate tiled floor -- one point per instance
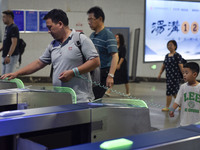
(153, 93)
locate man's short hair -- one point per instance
(57, 15)
(9, 12)
(193, 66)
(97, 11)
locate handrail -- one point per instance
(18, 82)
(67, 90)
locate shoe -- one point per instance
(127, 95)
(179, 108)
(165, 109)
(107, 94)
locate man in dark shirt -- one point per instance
(10, 43)
(106, 45)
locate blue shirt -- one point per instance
(105, 44)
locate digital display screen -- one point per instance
(19, 19)
(31, 21)
(171, 20)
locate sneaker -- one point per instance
(165, 109)
(127, 95)
(107, 94)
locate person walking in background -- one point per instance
(172, 65)
(10, 54)
(121, 74)
(106, 45)
(66, 57)
(188, 96)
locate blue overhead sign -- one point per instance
(31, 21)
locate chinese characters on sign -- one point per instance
(173, 27)
(160, 26)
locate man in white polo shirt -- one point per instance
(66, 57)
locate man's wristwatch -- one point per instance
(8, 56)
(111, 75)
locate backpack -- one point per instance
(183, 61)
(21, 48)
(95, 74)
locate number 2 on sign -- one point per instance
(195, 27)
(186, 27)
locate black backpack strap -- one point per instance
(77, 42)
(176, 55)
